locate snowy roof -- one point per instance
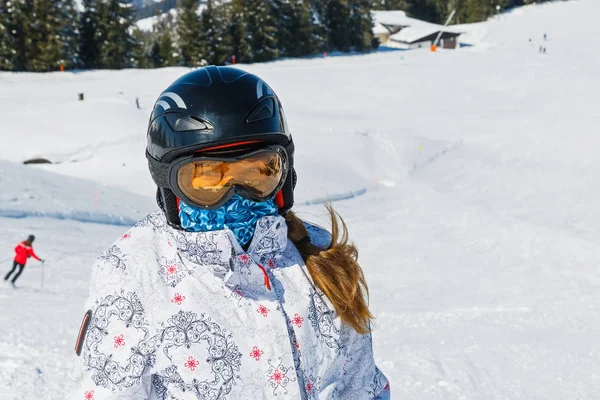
(398, 18)
(414, 29)
(379, 29)
(413, 34)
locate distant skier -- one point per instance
(23, 251)
(545, 37)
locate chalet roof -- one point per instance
(413, 29)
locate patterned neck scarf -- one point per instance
(240, 215)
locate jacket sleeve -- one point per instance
(116, 344)
(32, 254)
(361, 378)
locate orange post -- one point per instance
(62, 68)
(433, 48)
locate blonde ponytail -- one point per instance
(335, 270)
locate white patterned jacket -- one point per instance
(183, 315)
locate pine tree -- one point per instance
(29, 34)
(156, 60)
(319, 30)
(427, 10)
(69, 34)
(56, 35)
(477, 10)
(390, 5)
(166, 50)
(89, 35)
(191, 48)
(237, 32)
(162, 53)
(8, 38)
(361, 25)
(209, 34)
(295, 28)
(21, 23)
(337, 17)
(214, 27)
(116, 20)
(140, 50)
(262, 30)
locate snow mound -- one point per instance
(26, 191)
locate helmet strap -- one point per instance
(167, 201)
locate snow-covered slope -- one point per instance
(28, 192)
(74, 220)
(473, 185)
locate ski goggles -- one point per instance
(210, 181)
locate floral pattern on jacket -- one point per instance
(191, 315)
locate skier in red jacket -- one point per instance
(22, 252)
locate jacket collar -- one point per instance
(221, 252)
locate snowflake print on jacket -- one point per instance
(264, 311)
(89, 395)
(321, 319)
(380, 388)
(178, 299)
(155, 220)
(108, 373)
(256, 353)
(115, 257)
(309, 387)
(119, 341)
(237, 294)
(186, 329)
(191, 363)
(280, 376)
(272, 237)
(202, 249)
(297, 320)
(171, 271)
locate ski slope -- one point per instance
(469, 181)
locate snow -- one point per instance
(34, 193)
(396, 17)
(147, 24)
(379, 28)
(471, 187)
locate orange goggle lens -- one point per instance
(208, 181)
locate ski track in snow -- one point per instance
(80, 217)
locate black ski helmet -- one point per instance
(213, 107)
(30, 238)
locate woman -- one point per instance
(225, 293)
(23, 251)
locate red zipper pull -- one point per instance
(267, 281)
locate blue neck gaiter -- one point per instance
(238, 214)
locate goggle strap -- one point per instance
(160, 171)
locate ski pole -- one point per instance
(42, 274)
